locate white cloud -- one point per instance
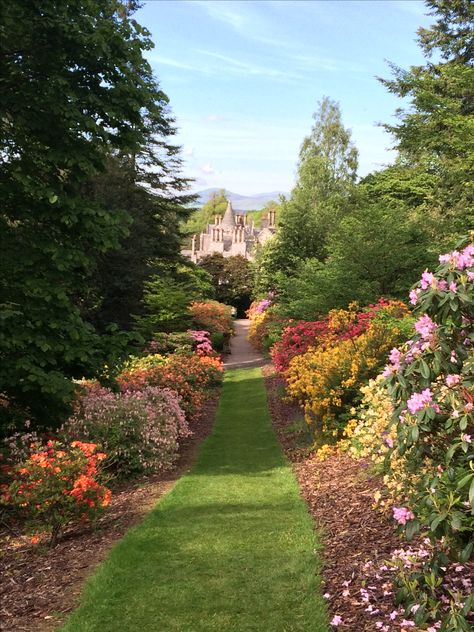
(208, 169)
(175, 63)
(240, 67)
(215, 118)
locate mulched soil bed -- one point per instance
(339, 492)
(39, 586)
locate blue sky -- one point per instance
(245, 77)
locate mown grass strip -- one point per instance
(231, 548)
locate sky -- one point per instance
(245, 77)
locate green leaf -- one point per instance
(425, 370)
(471, 493)
(466, 552)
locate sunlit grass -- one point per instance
(231, 548)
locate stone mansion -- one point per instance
(231, 235)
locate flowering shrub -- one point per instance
(191, 376)
(202, 342)
(139, 430)
(266, 325)
(167, 343)
(339, 325)
(258, 307)
(144, 362)
(326, 378)
(431, 381)
(212, 316)
(297, 339)
(57, 485)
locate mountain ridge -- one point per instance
(241, 202)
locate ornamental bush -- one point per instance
(56, 485)
(326, 378)
(431, 381)
(191, 376)
(266, 325)
(139, 430)
(212, 316)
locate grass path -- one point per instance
(229, 549)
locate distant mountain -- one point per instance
(242, 202)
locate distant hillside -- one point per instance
(242, 202)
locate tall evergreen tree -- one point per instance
(76, 92)
(436, 131)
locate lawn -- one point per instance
(230, 549)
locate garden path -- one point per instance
(230, 549)
(243, 354)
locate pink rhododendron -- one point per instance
(402, 515)
(452, 379)
(466, 438)
(428, 279)
(425, 327)
(419, 401)
(414, 296)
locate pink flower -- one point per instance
(336, 620)
(402, 515)
(466, 438)
(453, 287)
(428, 280)
(419, 401)
(425, 327)
(452, 379)
(414, 296)
(395, 358)
(468, 407)
(407, 624)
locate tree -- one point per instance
(153, 238)
(232, 279)
(326, 177)
(216, 205)
(436, 130)
(167, 298)
(76, 89)
(378, 250)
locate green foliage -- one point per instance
(77, 90)
(216, 205)
(435, 130)
(115, 291)
(326, 177)
(431, 383)
(232, 278)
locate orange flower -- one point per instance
(35, 539)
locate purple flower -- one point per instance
(395, 357)
(428, 280)
(419, 401)
(402, 515)
(452, 379)
(414, 296)
(425, 327)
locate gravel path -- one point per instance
(243, 354)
